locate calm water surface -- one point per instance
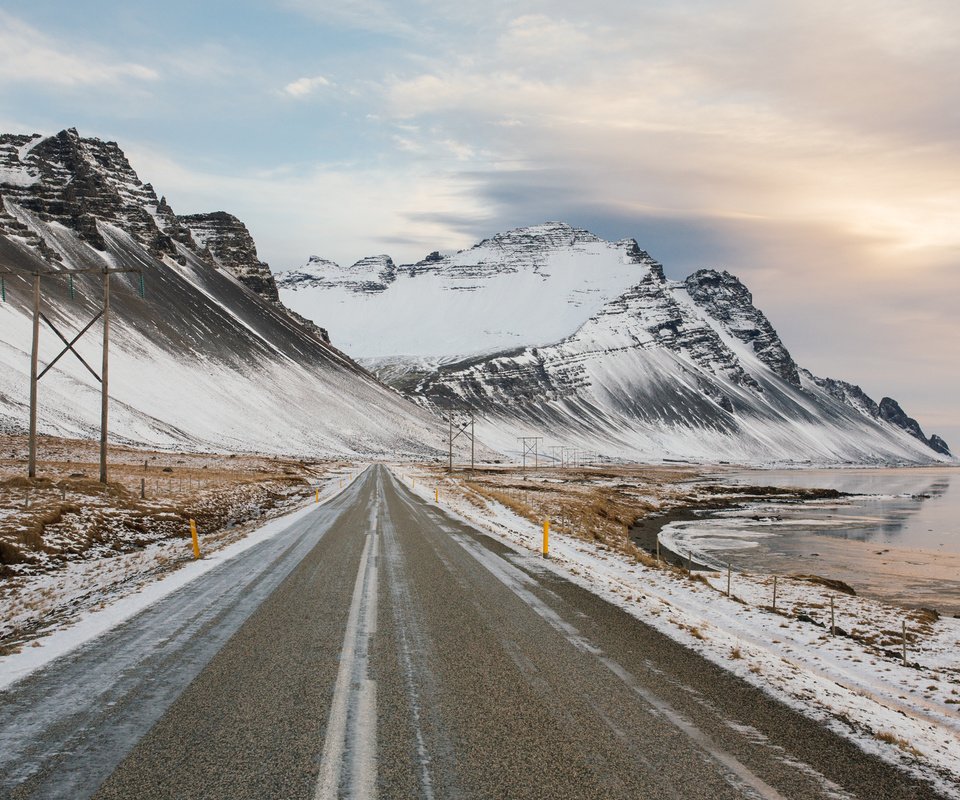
(898, 538)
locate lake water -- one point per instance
(897, 539)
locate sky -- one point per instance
(807, 146)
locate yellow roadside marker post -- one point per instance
(546, 538)
(438, 494)
(318, 496)
(196, 539)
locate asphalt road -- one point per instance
(379, 648)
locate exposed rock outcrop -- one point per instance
(726, 299)
(890, 411)
(231, 246)
(83, 184)
(86, 184)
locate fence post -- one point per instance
(904, 633)
(774, 592)
(728, 579)
(833, 627)
(196, 539)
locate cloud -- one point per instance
(28, 56)
(806, 146)
(305, 86)
(341, 210)
(811, 153)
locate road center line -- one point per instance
(354, 694)
(514, 579)
(406, 632)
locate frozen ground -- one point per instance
(70, 586)
(855, 682)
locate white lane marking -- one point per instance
(831, 790)
(354, 694)
(406, 631)
(364, 766)
(514, 579)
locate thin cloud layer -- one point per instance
(27, 56)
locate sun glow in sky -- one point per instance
(807, 146)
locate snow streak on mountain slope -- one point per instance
(530, 286)
(687, 370)
(202, 361)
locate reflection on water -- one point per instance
(898, 538)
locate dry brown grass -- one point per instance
(899, 741)
(597, 505)
(695, 632)
(66, 512)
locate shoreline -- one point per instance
(909, 576)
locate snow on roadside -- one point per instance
(858, 687)
(132, 585)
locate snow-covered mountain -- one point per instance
(531, 286)
(207, 358)
(586, 343)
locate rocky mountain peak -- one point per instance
(939, 446)
(890, 411)
(369, 275)
(547, 234)
(80, 183)
(727, 300)
(373, 273)
(231, 246)
(313, 273)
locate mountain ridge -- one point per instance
(727, 370)
(204, 360)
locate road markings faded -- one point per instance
(354, 703)
(518, 581)
(407, 632)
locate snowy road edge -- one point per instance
(91, 624)
(572, 563)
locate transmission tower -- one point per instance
(530, 448)
(464, 425)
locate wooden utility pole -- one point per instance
(461, 429)
(104, 370)
(32, 465)
(36, 375)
